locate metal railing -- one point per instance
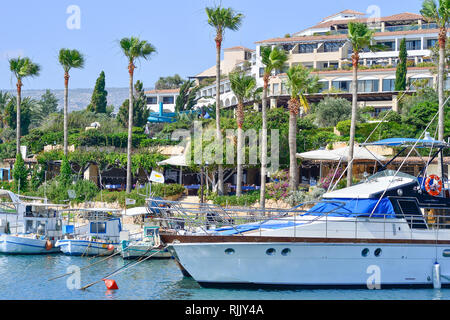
(301, 221)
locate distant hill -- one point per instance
(80, 98)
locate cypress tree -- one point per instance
(65, 173)
(20, 174)
(400, 77)
(98, 99)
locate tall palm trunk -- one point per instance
(293, 170)
(262, 198)
(19, 99)
(442, 40)
(66, 114)
(240, 151)
(130, 126)
(355, 61)
(218, 132)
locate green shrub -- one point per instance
(246, 199)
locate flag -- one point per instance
(157, 177)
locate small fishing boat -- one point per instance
(148, 245)
(98, 237)
(28, 227)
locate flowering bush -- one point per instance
(331, 177)
(279, 189)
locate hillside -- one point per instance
(80, 98)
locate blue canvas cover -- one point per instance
(353, 208)
(337, 207)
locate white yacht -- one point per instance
(393, 229)
(99, 236)
(28, 227)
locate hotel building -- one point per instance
(325, 49)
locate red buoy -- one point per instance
(111, 284)
(110, 247)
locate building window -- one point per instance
(413, 45)
(431, 42)
(98, 227)
(168, 100)
(342, 85)
(388, 84)
(324, 85)
(276, 89)
(389, 45)
(261, 72)
(283, 88)
(367, 85)
(421, 82)
(307, 48)
(332, 46)
(152, 100)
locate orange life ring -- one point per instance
(48, 245)
(436, 188)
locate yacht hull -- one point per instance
(313, 264)
(10, 244)
(74, 247)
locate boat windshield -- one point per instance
(391, 173)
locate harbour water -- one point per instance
(26, 278)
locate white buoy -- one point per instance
(436, 276)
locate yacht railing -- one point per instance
(191, 218)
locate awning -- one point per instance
(318, 155)
(359, 153)
(135, 211)
(179, 161)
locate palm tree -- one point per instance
(221, 19)
(272, 59)
(68, 59)
(440, 16)
(243, 87)
(299, 81)
(360, 37)
(22, 68)
(133, 49)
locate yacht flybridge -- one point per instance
(393, 229)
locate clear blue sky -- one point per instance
(177, 28)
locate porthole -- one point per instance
(446, 253)
(286, 252)
(377, 252)
(271, 252)
(229, 251)
(365, 252)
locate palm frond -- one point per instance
(24, 67)
(71, 59)
(224, 18)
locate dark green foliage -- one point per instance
(400, 77)
(65, 173)
(37, 177)
(98, 100)
(330, 111)
(187, 97)
(20, 174)
(47, 105)
(140, 111)
(170, 82)
(10, 113)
